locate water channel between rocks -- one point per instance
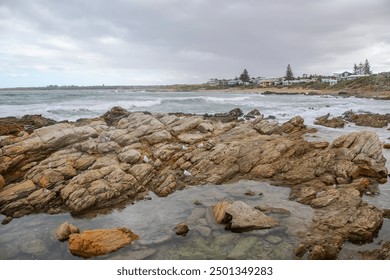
(32, 237)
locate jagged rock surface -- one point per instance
(333, 122)
(368, 119)
(27, 123)
(101, 163)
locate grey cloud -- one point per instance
(203, 38)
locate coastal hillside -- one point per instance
(369, 83)
(375, 86)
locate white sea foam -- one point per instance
(227, 99)
(72, 105)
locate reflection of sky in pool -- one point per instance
(32, 237)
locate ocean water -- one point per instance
(72, 105)
(36, 231)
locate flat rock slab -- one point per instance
(98, 242)
(246, 217)
(239, 216)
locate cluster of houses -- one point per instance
(267, 82)
(337, 77)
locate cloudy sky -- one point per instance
(143, 42)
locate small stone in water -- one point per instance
(181, 229)
(250, 193)
(197, 202)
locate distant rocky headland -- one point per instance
(91, 164)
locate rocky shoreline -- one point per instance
(103, 162)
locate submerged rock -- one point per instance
(98, 242)
(33, 246)
(243, 245)
(273, 210)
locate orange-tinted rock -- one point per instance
(2, 182)
(219, 211)
(17, 191)
(98, 242)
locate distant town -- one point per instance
(338, 81)
(359, 70)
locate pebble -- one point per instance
(196, 214)
(273, 239)
(136, 255)
(249, 193)
(35, 246)
(182, 229)
(243, 245)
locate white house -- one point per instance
(342, 76)
(213, 82)
(266, 82)
(353, 77)
(294, 82)
(331, 81)
(234, 82)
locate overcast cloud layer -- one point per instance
(134, 42)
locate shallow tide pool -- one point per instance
(32, 237)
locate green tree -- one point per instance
(289, 73)
(245, 76)
(355, 69)
(366, 68)
(360, 66)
